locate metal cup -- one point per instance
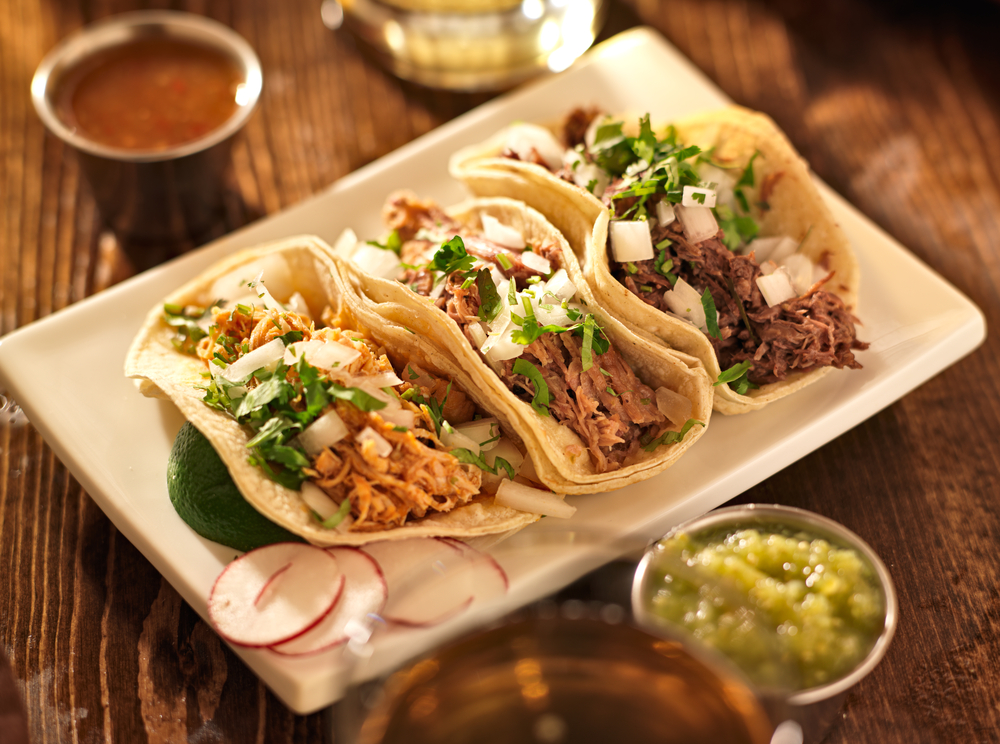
(163, 197)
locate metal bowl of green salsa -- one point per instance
(795, 600)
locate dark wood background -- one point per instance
(896, 105)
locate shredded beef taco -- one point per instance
(708, 235)
(332, 423)
(499, 289)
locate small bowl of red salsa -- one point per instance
(150, 102)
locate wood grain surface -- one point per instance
(895, 104)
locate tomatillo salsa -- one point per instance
(789, 608)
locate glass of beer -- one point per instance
(474, 45)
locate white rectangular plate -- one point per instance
(66, 370)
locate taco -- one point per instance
(708, 235)
(333, 423)
(502, 293)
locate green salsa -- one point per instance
(789, 608)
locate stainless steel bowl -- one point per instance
(813, 707)
(155, 196)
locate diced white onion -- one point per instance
(665, 212)
(398, 417)
(527, 470)
(297, 304)
(777, 287)
(436, 291)
(698, 222)
(480, 431)
(673, 405)
(523, 138)
(506, 450)
(454, 439)
(785, 248)
(325, 431)
(264, 295)
(724, 180)
(532, 500)
(234, 284)
(368, 434)
(502, 319)
(560, 285)
(536, 262)
(499, 347)
(262, 356)
(345, 244)
(689, 199)
(377, 261)
(478, 334)
(317, 500)
(322, 354)
(631, 240)
(501, 234)
(768, 267)
(684, 300)
(800, 269)
(556, 316)
(590, 176)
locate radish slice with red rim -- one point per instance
(274, 593)
(431, 580)
(364, 593)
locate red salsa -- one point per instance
(150, 95)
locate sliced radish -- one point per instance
(429, 579)
(365, 593)
(275, 593)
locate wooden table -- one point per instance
(895, 104)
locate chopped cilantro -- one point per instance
(711, 315)
(504, 261)
(338, 516)
(668, 437)
(489, 298)
(540, 401)
(593, 340)
(737, 377)
(392, 243)
(451, 257)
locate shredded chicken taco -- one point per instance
(333, 423)
(708, 235)
(499, 289)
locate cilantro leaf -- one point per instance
(711, 315)
(451, 257)
(737, 377)
(489, 297)
(540, 401)
(392, 243)
(669, 437)
(593, 340)
(357, 397)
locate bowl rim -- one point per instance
(120, 29)
(747, 515)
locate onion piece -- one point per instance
(536, 262)
(698, 222)
(398, 417)
(258, 286)
(532, 500)
(777, 287)
(321, 354)
(325, 431)
(478, 334)
(665, 212)
(368, 434)
(501, 234)
(631, 240)
(234, 284)
(379, 381)
(345, 245)
(800, 269)
(525, 140)
(377, 261)
(506, 450)
(673, 405)
(454, 439)
(317, 500)
(689, 199)
(684, 300)
(560, 285)
(297, 304)
(785, 248)
(263, 356)
(480, 431)
(499, 346)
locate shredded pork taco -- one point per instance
(707, 235)
(499, 289)
(332, 423)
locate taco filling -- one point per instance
(370, 446)
(514, 303)
(683, 238)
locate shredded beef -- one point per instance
(576, 125)
(610, 409)
(815, 330)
